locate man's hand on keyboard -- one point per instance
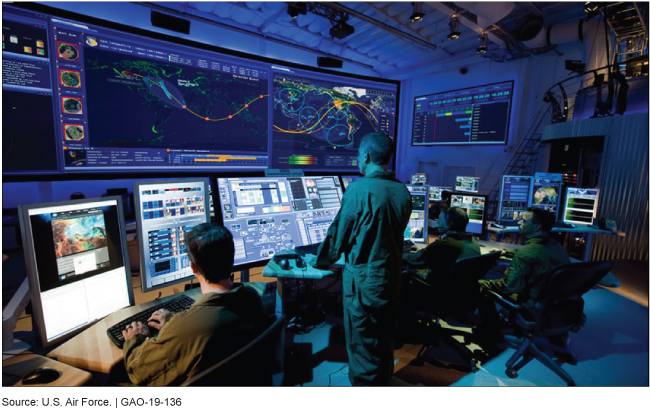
(135, 328)
(158, 319)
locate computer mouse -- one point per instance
(41, 375)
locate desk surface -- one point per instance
(92, 350)
(577, 229)
(14, 368)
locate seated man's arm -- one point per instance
(514, 278)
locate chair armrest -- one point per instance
(504, 302)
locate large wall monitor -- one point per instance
(77, 264)
(267, 215)
(581, 205)
(166, 210)
(86, 95)
(416, 230)
(547, 189)
(474, 205)
(435, 192)
(477, 115)
(515, 196)
(319, 119)
(467, 184)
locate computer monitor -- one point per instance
(467, 184)
(581, 205)
(416, 230)
(166, 211)
(435, 192)
(474, 205)
(267, 215)
(77, 264)
(347, 179)
(515, 196)
(419, 179)
(547, 190)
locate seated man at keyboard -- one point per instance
(436, 260)
(225, 318)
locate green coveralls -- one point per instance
(217, 325)
(369, 230)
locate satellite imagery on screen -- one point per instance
(78, 234)
(138, 103)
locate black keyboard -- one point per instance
(308, 249)
(509, 223)
(177, 304)
(562, 225)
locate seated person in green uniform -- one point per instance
(434, 262)
(521, 281)
(369, 231)
(226, 317)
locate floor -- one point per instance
(612, 348)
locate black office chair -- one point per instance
(558, 310)
(453, 299)
(252, 365)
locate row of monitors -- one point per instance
(76, 251)
(464, 184)
(544, 190)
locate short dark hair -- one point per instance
(379, 146)
(445, 195)
(542, 217)
(212, 250)
(458, 219)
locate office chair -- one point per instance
(453, 298)
(558, 310)
(252, 365)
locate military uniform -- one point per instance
(217, 325)
(369, 231)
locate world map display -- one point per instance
(311, 117)
(545, 195)
(138, 103)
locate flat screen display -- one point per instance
(581, 206)
(476, 115)
(467, 184)
(416, 230)
(267, 215)
(77, 264)
(474, 205)
(435, 192)
(547, 190)
(515, 196)
(348, 179)
(167, 210)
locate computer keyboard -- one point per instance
(509, 223)
(177, 304)
(562, 225)
(308, 249)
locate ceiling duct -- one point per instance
(528, 27)
(488, 13)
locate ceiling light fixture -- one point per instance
(417, 15)
(295, 9)
(482, 49)
(454, 28)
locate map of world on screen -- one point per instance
(319, 123)
(141, 103)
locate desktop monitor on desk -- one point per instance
(581, 205)
(515, 196)
(474, 205)
(435, 192)
(416, 230)
(347, 179)
(267, 215)
(77, 264)
(547, 190)
(166, 211)
(467, 184)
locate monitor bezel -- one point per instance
(138, 225)
(478, 179)
(530, 192)
(594, 218)
(485, 215)
(32, 268)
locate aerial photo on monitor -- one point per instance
(545, 195)
(79, 234)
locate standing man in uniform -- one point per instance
(369, 231)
